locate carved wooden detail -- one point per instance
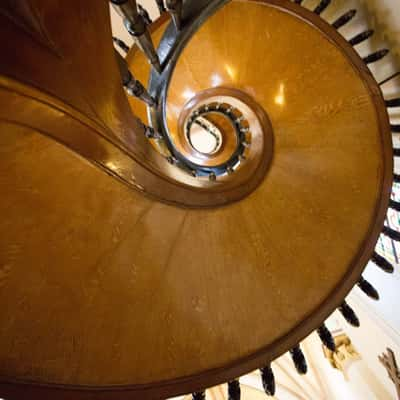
(344, 355)
(388, 360)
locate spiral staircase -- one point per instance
(181, 212)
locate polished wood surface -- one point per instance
(105, 288)
(69, 87)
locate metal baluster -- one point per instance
(299, 360)
(199, 396)
(395, 128)
(121, 44)
(382, 263)
(136, 26)
(143, 12)
(391, 233)
(234, 390)
(368, 289)
(160, 5)
(172, 160)
(361, 37)
(326, 337)
(229, 170)
(322, 6)
(392, 103)
(374, 57)
(349, 315)
(132, 85)
(396, 152)
(268, 380)
(396, 178)
(150, 133)
(175, 8)
(394, 205)
(344, 19)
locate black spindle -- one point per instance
(374, 57)
(175, 9)
(344, 19)
(349, 315)
(394, 205)
(121, 44)
(160, 5)
(268, 380)
(382, 263)
(234, 390)
(199, 396)
(393, 103)
(326, 337)
(299, 360)
(395, 128)
(322, 6)
(146, 16)
(392, 234)
(132, 85)
(368, 289)
(361, 37)
(136, 26)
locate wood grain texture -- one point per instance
(107, 293)
(71, 84)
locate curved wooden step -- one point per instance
(111, 293)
